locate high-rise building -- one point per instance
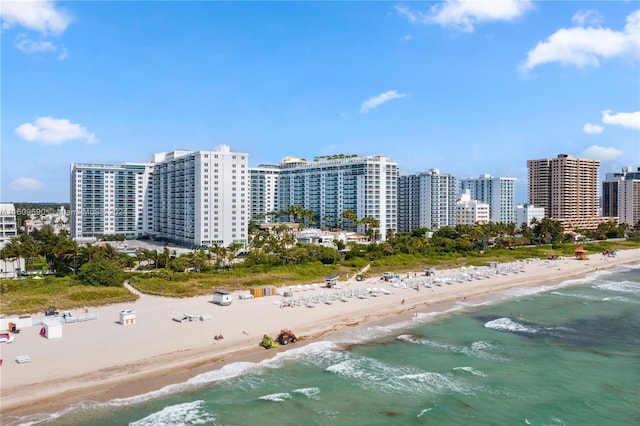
(110, 199)
(621, 196)
(426, 200)
(264, 193)
(8, 228)
(567, 188)
(498, 193)
(329, 186)
(192, 198)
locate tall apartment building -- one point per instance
(201, 198)
(328, 186)
(498, 193)
(426, 200)
(567, 188)
(470, 211)
(264, 192)
(108, 199)
(621, 196)
(191, 198)
(8, 228)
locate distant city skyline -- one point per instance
(469, 88)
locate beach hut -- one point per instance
(580, 253)
(127, 317)
(51, 329)
(330, 281)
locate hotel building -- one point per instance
(498, 193)
(190, 198)
(328, 186)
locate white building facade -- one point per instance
(264, 193)
(8, 227)
(201, 198)
(190, 198)
(498, 193)
(621, 196)
(328, 186)
(525, 213)
(110, 199)
(428, 200)
(471, 212)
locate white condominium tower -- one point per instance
(192, 198)
(8, 228)
(567, 188)
(109, 199)
(621, 196)
(331, 185)
(498, 193)
(264, 193)
(426, 200)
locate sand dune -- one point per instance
(103, 359)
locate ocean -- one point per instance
(566, 354)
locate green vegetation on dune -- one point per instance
(90, 275)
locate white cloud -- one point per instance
(464, 15)
(583, 17)
(38, 15)
(584, 46)
(601, 153)
(53, 131)
(28, 46)
(625, 119)
(378, 100)
(592, 129)
(26, 184)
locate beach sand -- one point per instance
(99, 360)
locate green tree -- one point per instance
(101, 272)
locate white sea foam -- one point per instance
(276, 397)
(311, 393)
(373, 374)
(620, 287)
(478, 349)
(471, 370)
(188, 413)
(507, 324)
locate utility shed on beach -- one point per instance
(51, 329)
(330, 281)
(127, 317)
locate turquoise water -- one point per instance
(562, 355)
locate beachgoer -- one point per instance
(402, 303)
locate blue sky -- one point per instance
(469, 88)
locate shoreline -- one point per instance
(134, 360)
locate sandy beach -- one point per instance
(102, 359)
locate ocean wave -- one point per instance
(276, 397)
(619, 286)
(369, 373)
(188, 413)
(311, 393)
(478, 349)
(507, 324)
(470, 370)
